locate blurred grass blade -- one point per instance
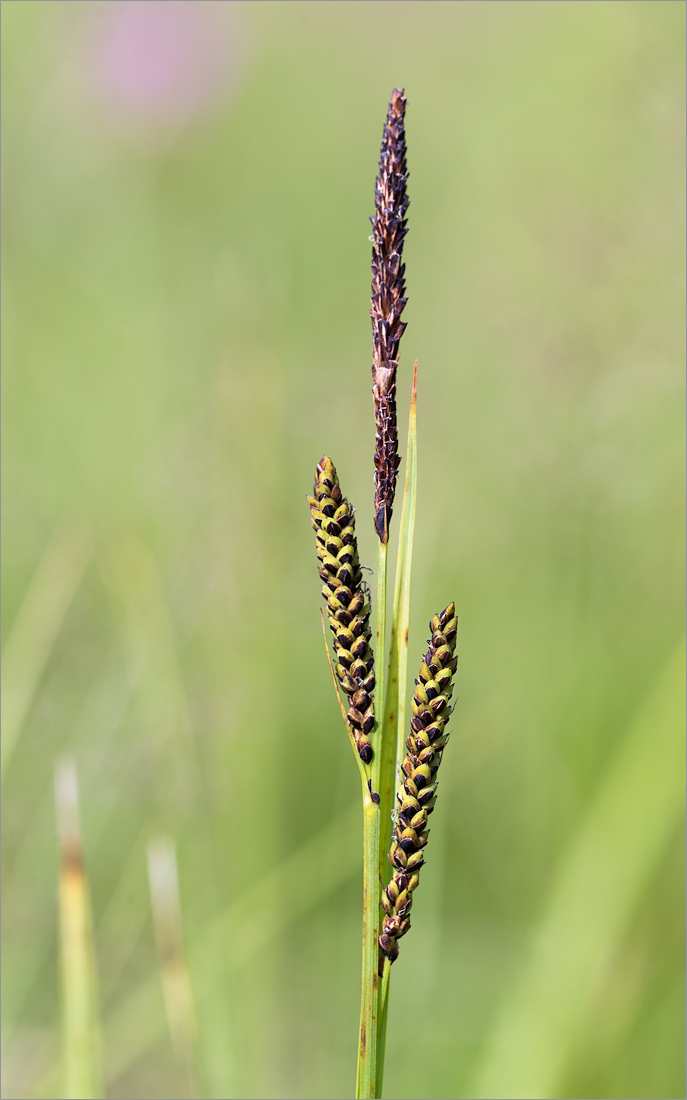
(176, 983)
(151, 649)
(132, 577)
(80, 1036)
(250, 923)
(599, 884)
(37, 625)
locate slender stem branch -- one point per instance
(394, 726)
(384, 743)
(394, 723)
(380, 655)
(381, 1024)
(387, 752)
(367, 1049)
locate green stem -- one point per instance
(387, 753)
(394, 722)
(367, 1050)
(394, 726)
(380, 655)
(381, 1024)
(385, 744)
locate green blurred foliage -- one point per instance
(185, 332)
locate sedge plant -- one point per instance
(398, 759)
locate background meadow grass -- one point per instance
(186, 190)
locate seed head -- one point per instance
(348, 605)
(387, 302)
(417, 792)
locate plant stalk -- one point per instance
(368, 1045)
(394, 723)
(381, 1024)
(367, 1049)
(380, 658)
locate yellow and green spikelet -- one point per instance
(348, 604)
(417, 792)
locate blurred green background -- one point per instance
(186, 190)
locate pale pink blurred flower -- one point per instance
(161, 63)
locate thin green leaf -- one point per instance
(40, 618)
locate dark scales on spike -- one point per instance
(387, 303)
